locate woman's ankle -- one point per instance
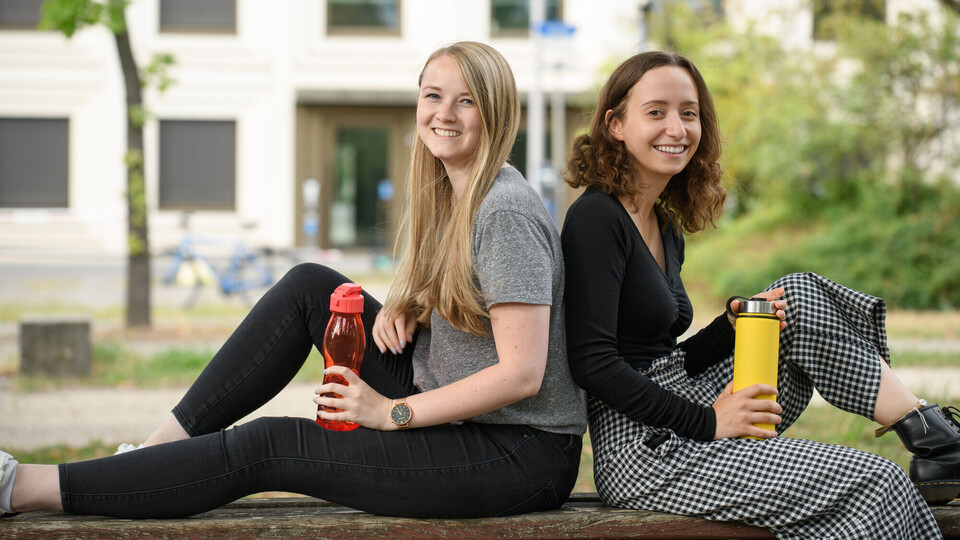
(37, 487)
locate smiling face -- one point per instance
(448, 121)
(661, 124)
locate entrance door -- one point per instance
(358, 211)
(357, 158)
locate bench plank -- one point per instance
(584, 516)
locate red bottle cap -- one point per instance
(347, 299)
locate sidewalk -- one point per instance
(77, 417)
(114, 415)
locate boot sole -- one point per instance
(941, 492)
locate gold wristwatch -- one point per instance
(401, 414)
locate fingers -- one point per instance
(773, 296)
(738, 412)
(411, 326)
(337, 394)
(758, 389)
(760, 433)
(353, 401)
(400, 325)
(379, 336)
(385, 334)
(393, 332)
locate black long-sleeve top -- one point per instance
(623, 312)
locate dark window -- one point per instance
(33, 162)
(201, 16)
(20, 13)
(511, 18)
(197, 164)
(824, 11)
(363, 17)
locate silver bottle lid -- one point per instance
(757, 305)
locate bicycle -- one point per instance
(246, 270)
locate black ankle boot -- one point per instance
(933, 435)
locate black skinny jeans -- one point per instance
(450, 470)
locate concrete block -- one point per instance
(55, 345)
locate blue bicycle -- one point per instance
(246, 269)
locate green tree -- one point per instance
(806, 130)
(68, 16)
(905, 95)
(840, 158)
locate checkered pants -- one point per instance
(797, 488)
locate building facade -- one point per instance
(294, 115)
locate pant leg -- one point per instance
(834, 341)
(445, 471)
(269, 347)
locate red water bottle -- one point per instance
(343, 344)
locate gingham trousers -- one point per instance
(833, 342)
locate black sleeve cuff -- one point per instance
(708, 346)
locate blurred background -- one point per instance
(163, 161)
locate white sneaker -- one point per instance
(7, 466)
(124, 448)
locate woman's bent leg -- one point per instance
(450, 470)
(265, 351)
(834, 341)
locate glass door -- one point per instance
(351, 161)
(357, 214)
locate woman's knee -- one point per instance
(790, 281)
(305, 280)
(314, 274)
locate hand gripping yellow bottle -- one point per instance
(756, 347)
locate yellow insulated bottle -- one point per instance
(756, 347)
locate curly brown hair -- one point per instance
(694, 197)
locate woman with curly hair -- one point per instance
(664, 421)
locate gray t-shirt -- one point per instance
(517, 258)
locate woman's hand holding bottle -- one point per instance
(359, 403)
(738, 411)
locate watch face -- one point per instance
(400, 414)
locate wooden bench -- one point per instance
(584, 516)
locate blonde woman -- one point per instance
(465, 398)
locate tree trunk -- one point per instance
(138, 255)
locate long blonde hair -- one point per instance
(436, 269)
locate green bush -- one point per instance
(908, 254)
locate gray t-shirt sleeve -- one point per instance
(513, 260)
